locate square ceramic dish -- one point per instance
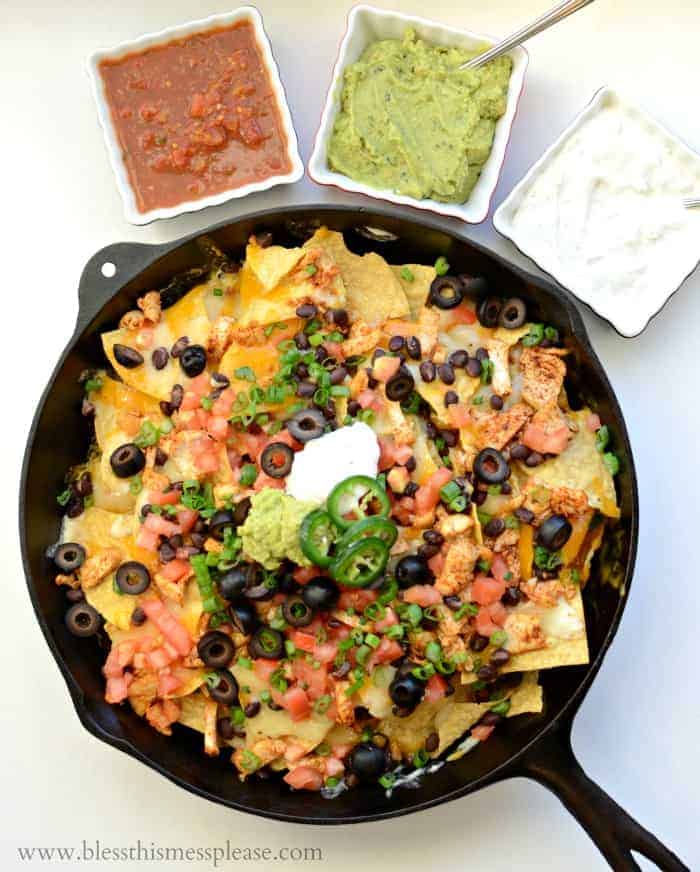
(244, 13)
(678, 265)
(367, 25)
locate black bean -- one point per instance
(451, 398)
(433, 537)
(410, 464)
(159, 358)
(198, 539)
(482, 695)
(451, 437)
(479, 497)
(446, 373)
(87, 409)
(499, 657)
(342, 670)
(413, 347)
(146, 510)
(411, 489)
(83, 486)
(220, 380)
(494, 527)
(353, 408)
(166, 408)
(138, 616)
(428, 551)
(166, 552)
(339, 317)
(127, 356)
(453, 603)
(306, 311)
(496, 402)
(74, 595)
(301, 340)
(338, 375)
(396, 343)
(478, 642)
(321, 353)
(525, 516)
(481, 354)
(487, 673)
(161, 457)
(225, 729)
(534, 459)
(474, 367)
(519, 451)
(329, 411)
(176, 396)
(506, 488)
(252, 709)
(427, 371)
(179, 346)
(459, 358)
(432, 742)
(431, 431)
(306, 389)
(511, 597)
(75, 506)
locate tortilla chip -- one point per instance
(97, 529)
(417, 289)
(373, 291)
(192, 711)
(434, 392)
(116, 608)
(271, 264)
(580, 467)
(188, 317)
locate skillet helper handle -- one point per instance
(552, 764)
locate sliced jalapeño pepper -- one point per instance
(316, 537)
(356, 498)
(380, 528)
(361, 563)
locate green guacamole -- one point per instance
(270, 533)
(411, 122)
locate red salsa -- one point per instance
(196, 117)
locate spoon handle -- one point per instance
(558, 13)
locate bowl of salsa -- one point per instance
(194, 115)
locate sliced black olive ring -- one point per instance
(127, 460)
(307, 424)
(69, 556)
(276, 459)
(513, 314)
(83, 620)
(400, 386)
(216, 649)
(296, 612)
(266, 643)
(489, 311)
(243, 616)
(218, 523)
(193, 360)
(554, 532)
(321, 593)
(133, 577)
(491, 467)
(225, 688)
(446, 292)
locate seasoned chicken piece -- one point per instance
(162, 714)
(450, 633)
(359, 382)
(426, 329)
(451, 526)
(98, 566)
(568, 501)
(496, 429)
(524, 633)
(543, 377)
(507, 539)
(133, 320)
(174, 590)
(345, 708)
(363, 338)
(220, 336)
(264, 751)
(401, 427)
(547, 593)
(149, 304)
(500, 378)
(211, 744)
(458, 570)
(69, 580)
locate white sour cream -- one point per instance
(603, 214)
(330, 459)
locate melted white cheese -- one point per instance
(562, 621)
(330, 459)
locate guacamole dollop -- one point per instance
(270, 533)
(412, 122)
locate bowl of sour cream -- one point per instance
(602, 212)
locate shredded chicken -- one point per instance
(98, 566)
(149, 304)
(543, 377)
(345, 709)
(451, 526)
(68, 580)
(524, 633)
(547, 593)
(568, 501)
(220, 337)
(211, 743)
(362, 339)
(496, 429)
(174, 590)
(458, 570)
(162, 714)
(133, 320)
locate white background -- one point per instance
(637, 733)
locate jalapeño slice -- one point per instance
(356, 498)
(316, 537)
(376, 526)
(361, 563)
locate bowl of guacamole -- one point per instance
(404, 123)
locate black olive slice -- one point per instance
(413, 569)
(446, 292)
(133, 577)
(489, 311)
(368, 761)
(69, 556)
(475, 286)
(224, 688)
(83, 620)
(491, 467)
(321, 593)
(216, 649)
(243, 616)
(307, 424)
(193, 360)
(513, 314)
(266, 643)
(296, 612)
(400, 386)
(406, 691)
(219, 522)
(127, 356)
(554, 532)
(276, 459)
(127, 460)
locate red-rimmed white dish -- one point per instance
(163, 37)
(366, 25)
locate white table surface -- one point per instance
(637, 731)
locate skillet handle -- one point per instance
(551, 762)
(97, 286)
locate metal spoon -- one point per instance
(691, 202)
(556, 14)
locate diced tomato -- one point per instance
(293, 752)
(498, 613)
(190, 402)
(176, 569)
(313, 681)
(385, 368)
(342, 749)
(334, 349)
(459, 414)
(304, 778)
(422, 594)
(208, 462)
(325, 652)
(187, 518)
(390, 453)
(428, 495)
(218, 427)
(436, 688)
(297, 703)
(147, 539)
(483, 624)
(400, 328)
(223, 405)
(159, 658)
(356, 599)
(117, 689)
(369, 400)
(334, 766)
(263, 668)
(168, 625)
(158, 524)
(387, 651)
(200, 384)
(304, 574)
(157, 498)
(303, 641)
(486, 590)
(499, 568)
(593, 422)
(390, 619)
(437, 563)
(167, 683)
(481, 732)
(554, 442)
(118, 658)
(462, 314)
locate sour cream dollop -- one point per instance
(330, 459)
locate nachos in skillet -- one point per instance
(337, 513)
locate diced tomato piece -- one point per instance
(334, 766)
(390, 453)
(207, 462)
(200, 385)
(428, 495)
(385, 368)
(218, 427)
(167, 683)
(118, 658)
(223, 405)
(117, 689)
(422, 594)
(481, 732)
(387, 651)
(483, 624)
(264, 668)
(147, 539)
(356, 599)
(157, 498)
(498, 613)
(304, 574)
(593, 422)
(400, 328)
(293, 752)
(390, 619)
(187, 518)
(325, 652)
(296, 702)
(168, 625)
(303, 641)
(459, 414)
(176, 569)
(554, 442)
(462, 314)
(159, 658)
(486, 590)
(437, 563)
(190, 401)
(304, 778)
(313, 681)
(369, 400)
(158, 524)
(334, 349)
(436, 688)
(499, 568)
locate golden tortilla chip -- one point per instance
(373, 291)
(416, 289)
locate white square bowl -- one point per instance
(243, 13)
(637, 316)
(366, 25)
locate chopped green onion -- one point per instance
(502, 708)
(135, 485)
(245, 373)
(406, 274)
(218, 292)
(420, 758)
(387, 780)
(237, 716)
(487, 367)
(249, 761)
(249, 474)
(63, 497)
(442, 267)
(372, 640)
(498, 638)
(207, 403)
(612, 462)
(535, 336)
(311, 269)
(602, 438)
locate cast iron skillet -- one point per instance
(535, 746)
